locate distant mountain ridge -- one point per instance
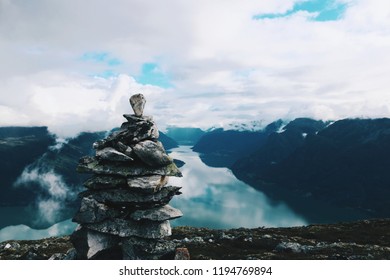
(345, 163)
(221, 148)
(278, 145)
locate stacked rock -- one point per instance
(125, 212)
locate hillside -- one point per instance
(19, 147)
(344, 164)
(221, 148)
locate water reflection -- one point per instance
(215, 198)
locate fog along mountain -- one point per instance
(39, 171)
(343, 164)
(222, 148)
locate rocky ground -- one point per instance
(369, 239)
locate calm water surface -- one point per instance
(214, 197)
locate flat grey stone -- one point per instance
(111, 154)
(128, 197)
(163, 213)
(127, 150)
(89, 244)
(131, 133)
(92, 211)
(93, 165)
(105, 182)
(127, 228)
(152, 153)
(149, 184)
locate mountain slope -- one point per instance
(278, 146)
(345, 164)
(185, 135)
(167, 141)
(19, 147)
(221, 148)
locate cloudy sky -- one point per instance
(72, 65)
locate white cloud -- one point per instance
(224, 65)
(55, 188)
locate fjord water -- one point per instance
(211, 197)
(215, 198)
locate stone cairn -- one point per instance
(124, 214)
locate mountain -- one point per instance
(167, 141)
(344, 164)
(63, 158)
(185, 135)
(221, 148)
(240, 126)
(277, 146)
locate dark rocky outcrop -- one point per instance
(124, 211)
(365, 240)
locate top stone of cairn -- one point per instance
(137, 102)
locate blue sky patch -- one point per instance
(105, 60)
(101, 57)
(114, 62)
(151, 74)
(94, 56)
(108, 74)
(328, 10)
